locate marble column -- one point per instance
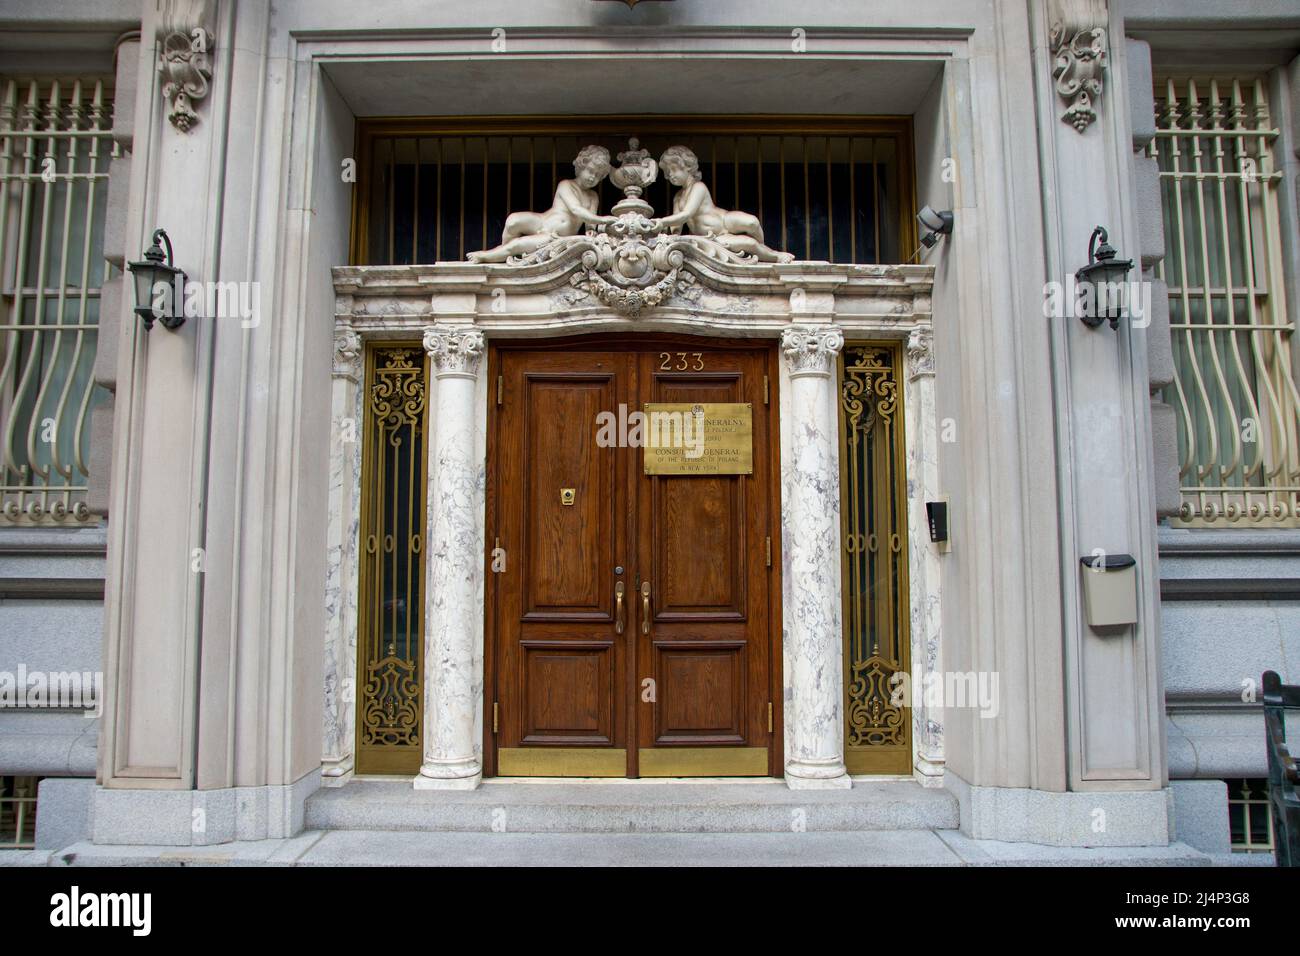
(453, 562)
(923, 571)
(816, 710)
(338, 732)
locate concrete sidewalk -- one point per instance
(914, 847)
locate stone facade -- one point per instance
(230, 556)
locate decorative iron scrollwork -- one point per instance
(874, 556)
(391, 600)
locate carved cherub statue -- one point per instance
(574, 206)
(693, 207)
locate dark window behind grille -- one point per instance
(843, 195)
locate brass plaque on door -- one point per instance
(707, 438)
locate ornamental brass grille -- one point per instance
(391, 605)
(56, 144)
(833, 188)
(873, 506)
(1234, 389)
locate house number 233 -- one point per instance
(683, 362)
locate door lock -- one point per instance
(568, 495)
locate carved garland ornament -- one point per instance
(1080, 62)
(187, 69)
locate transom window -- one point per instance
(835, 189)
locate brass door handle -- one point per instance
(618, 607)
(645, 607)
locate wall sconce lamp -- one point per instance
(938, 223)
(159, 296)
(1103, 283)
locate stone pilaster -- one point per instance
(453, 563)
(815, 711)
(923, 571)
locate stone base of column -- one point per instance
(817, 775)
(336, 772)
(928, 771)
(449, 775)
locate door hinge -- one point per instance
(765, 397)
(496, 714)
(768, 548)
(769, 717)
(500, 387)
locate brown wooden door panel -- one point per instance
(702, 687)
(699, 544)
(699, 551)
(561, 670)
(568, 692)
(569, 547)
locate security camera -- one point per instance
(938, 223)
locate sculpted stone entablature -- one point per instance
(708, 296)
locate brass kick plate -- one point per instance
(568, 495)
(561, 762)
(703, 761)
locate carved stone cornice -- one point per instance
(455, 353)
(920, 353)
(347, 353)
(811, 350)
(185, 60)
(1078, 45)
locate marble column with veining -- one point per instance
(923, 571)
(815, 708)
(339, 724)
(453, 554)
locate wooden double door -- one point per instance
(632, 618)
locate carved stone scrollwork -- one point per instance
(812, 350)
(920, 353)
(1078, 45)
(347, 353)
(454, 352)
(185, 63)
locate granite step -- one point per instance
(758, 807)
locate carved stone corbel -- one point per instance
(184, 60)
(1078, 45)
(347, 353)
(920, 353)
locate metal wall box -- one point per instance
(1110, 589)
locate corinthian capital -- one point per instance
(454, 353)
(811, 350)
